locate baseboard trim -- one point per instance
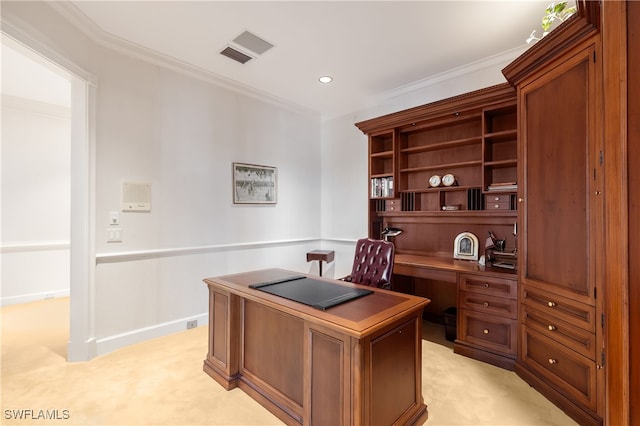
(83, 351)
(112, 343)
(33, 297)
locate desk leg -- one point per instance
(320, 266)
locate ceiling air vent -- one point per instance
(236, 55)
(252, 42)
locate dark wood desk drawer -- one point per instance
(488, 331)
(568, 335)
(479, 302)
(489, 285)
(570, 311)
(566, 370)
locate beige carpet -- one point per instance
(161, 382)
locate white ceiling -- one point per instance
(369, 47)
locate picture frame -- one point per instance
(465, 246)
(254, 184)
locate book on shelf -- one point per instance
(503, 186)
(382, 187)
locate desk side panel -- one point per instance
(327, 376)
(393, 374)
(222, 357)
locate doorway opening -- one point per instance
(47, 181)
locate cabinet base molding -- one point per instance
(582, 416)
(217, 374)
(501, 361)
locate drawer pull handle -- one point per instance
(551, 304)
(520, 200)
(486, 304)
(486, 285)
(552, 361)
(497, 199)
(552, 327)
(485, 331)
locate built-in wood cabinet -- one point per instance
(577, 269)
(472, 137)
(560, 211)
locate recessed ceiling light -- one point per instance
(325, 79)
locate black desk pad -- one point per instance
(318, 294)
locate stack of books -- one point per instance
(382, 187)
(503, 186)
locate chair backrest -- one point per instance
(373, 263)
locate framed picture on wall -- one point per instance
(253, 184)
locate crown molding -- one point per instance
(107, 40)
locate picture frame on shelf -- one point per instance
(254, 184)
(465, 246)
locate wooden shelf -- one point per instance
(440, 188)
(469, 214)
(502, 163)
(442, 145)
(442, 166)
(505, 135)
(383, 154)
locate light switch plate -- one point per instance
(114, 235)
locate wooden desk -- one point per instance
(486, 299)
(358, 363)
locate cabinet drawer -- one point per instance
(479, 302)
(499, 202)
(570, 311)
(393, 205)
(566, 334)
(561, 367)
(488, 331)
(498, 206)
(492, 286)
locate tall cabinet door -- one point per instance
(560, 215)
(560, 179)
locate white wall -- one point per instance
(35, 199)
(182, 135)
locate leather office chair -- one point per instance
(372, 263)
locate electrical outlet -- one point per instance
(192, 324)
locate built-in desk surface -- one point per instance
(443, 268)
